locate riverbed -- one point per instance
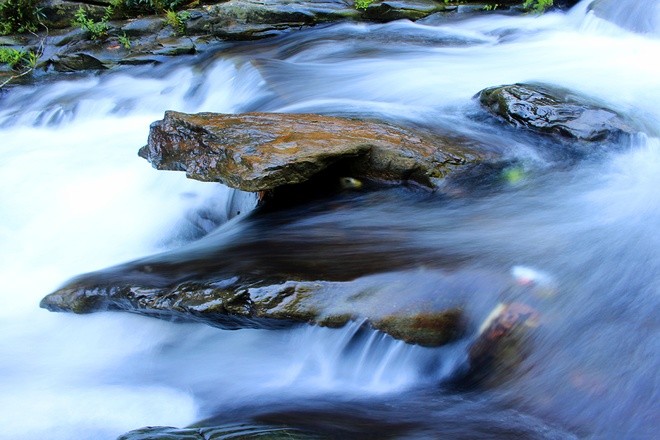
(75, 197)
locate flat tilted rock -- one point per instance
(274, 274)
(263, 151)
(426, 312)
(552, 110)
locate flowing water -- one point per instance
(75, 198)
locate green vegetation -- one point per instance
(363, 4)
(154, 5)
(125, 41)
(96, 29)
(99, 29)
(18, 16)
(18, 59)
(177, 20)
(538, 6)
(11, 56)
(514, 174)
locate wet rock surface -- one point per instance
(277, 273)
(554, 111)
(153, 39)
(426, 313)
(260, 151)
(502, 344)
(224, 432)
(249, 19)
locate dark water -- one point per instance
(76, 198)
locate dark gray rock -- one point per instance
(143, 26)
(554, 111)
(223, 432)
(59, 14)
(77, 61)
(384, 11)
(250, 19)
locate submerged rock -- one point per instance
(260, 151)
(223, 432)
(554, 111)
(281, 268)
(502, 344)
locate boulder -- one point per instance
(77, 61)
(260, 151)
(424, 312)
(554, 111)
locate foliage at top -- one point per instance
(538, 6)
(97, 29)
(153, 5)
(18, 16)
(177, 20)
(363, 4)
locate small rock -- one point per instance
(77, 62)
(502, 343)
(554, 111)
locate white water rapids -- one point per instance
(74, 197)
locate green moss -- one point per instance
(538, 6)
(177, 20)
(335, 321)
(514, 174)
(363, 4)
(125, 41)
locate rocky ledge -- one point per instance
(125, 36)
(264, 151)
(397, 304)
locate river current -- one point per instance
(74, 197)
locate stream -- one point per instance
(75, 197)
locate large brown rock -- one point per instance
(262, 151)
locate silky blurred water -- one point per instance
(75, 197)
